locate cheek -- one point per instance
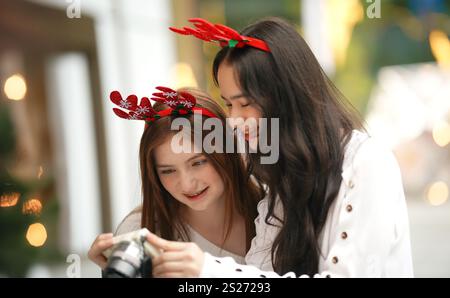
(213, 178)
(254, 113)
(168, 183)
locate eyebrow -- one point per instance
(233, 97)
(192, 158)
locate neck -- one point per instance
(212, 218)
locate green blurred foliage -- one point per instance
(16, 254)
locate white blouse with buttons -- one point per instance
(367, 230)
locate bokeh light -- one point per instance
(36, 234)
(9, 199)
(33, 206)
(440, 46)
(437, 193)
(15, 87)
(441, 134)
(184, 75)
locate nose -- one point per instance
(188, 183)
(236, 113)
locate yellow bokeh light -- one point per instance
(441, 134)
(36, 234)
(440, 47)
(342, 17)
(437, 193)
(33, 206)
(185, 76)
(15, 87)
(9, 199)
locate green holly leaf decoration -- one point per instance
(232, 43)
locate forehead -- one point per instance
(166, 154)
(227, 80)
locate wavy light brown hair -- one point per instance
(161, 212)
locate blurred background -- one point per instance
(69, 167)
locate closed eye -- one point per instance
(229, 105)
(167, 172)
(199, 162)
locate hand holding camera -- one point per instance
(179, 259)
(143, 254)
(101, 243)
(128, 255)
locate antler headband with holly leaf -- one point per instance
(180, 103)
(226, 36)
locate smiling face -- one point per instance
(238, 104)
(189, 177)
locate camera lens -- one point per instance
(125, 260)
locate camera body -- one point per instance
(130, 256)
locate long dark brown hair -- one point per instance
(315, 124)
(161, 212)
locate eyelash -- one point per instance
(199, 163)
(228, 105)
(194, 164)
(167, 172)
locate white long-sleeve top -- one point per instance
(366, 233)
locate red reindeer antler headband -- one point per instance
(226, 36)
(180, 103)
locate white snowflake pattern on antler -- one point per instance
(171, 103)
(187, 104)
(134, 116)
(170, 94)
(124, 104)
(142, 110)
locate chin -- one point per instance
(199, 208)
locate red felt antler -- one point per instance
(226, 36)
(179, 103)
(174, 99)
(143, 111)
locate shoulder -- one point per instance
(131, 222)
(370, 174)
(366, 154)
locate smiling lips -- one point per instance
(247, 130)
(247, 135)
(197, 195)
